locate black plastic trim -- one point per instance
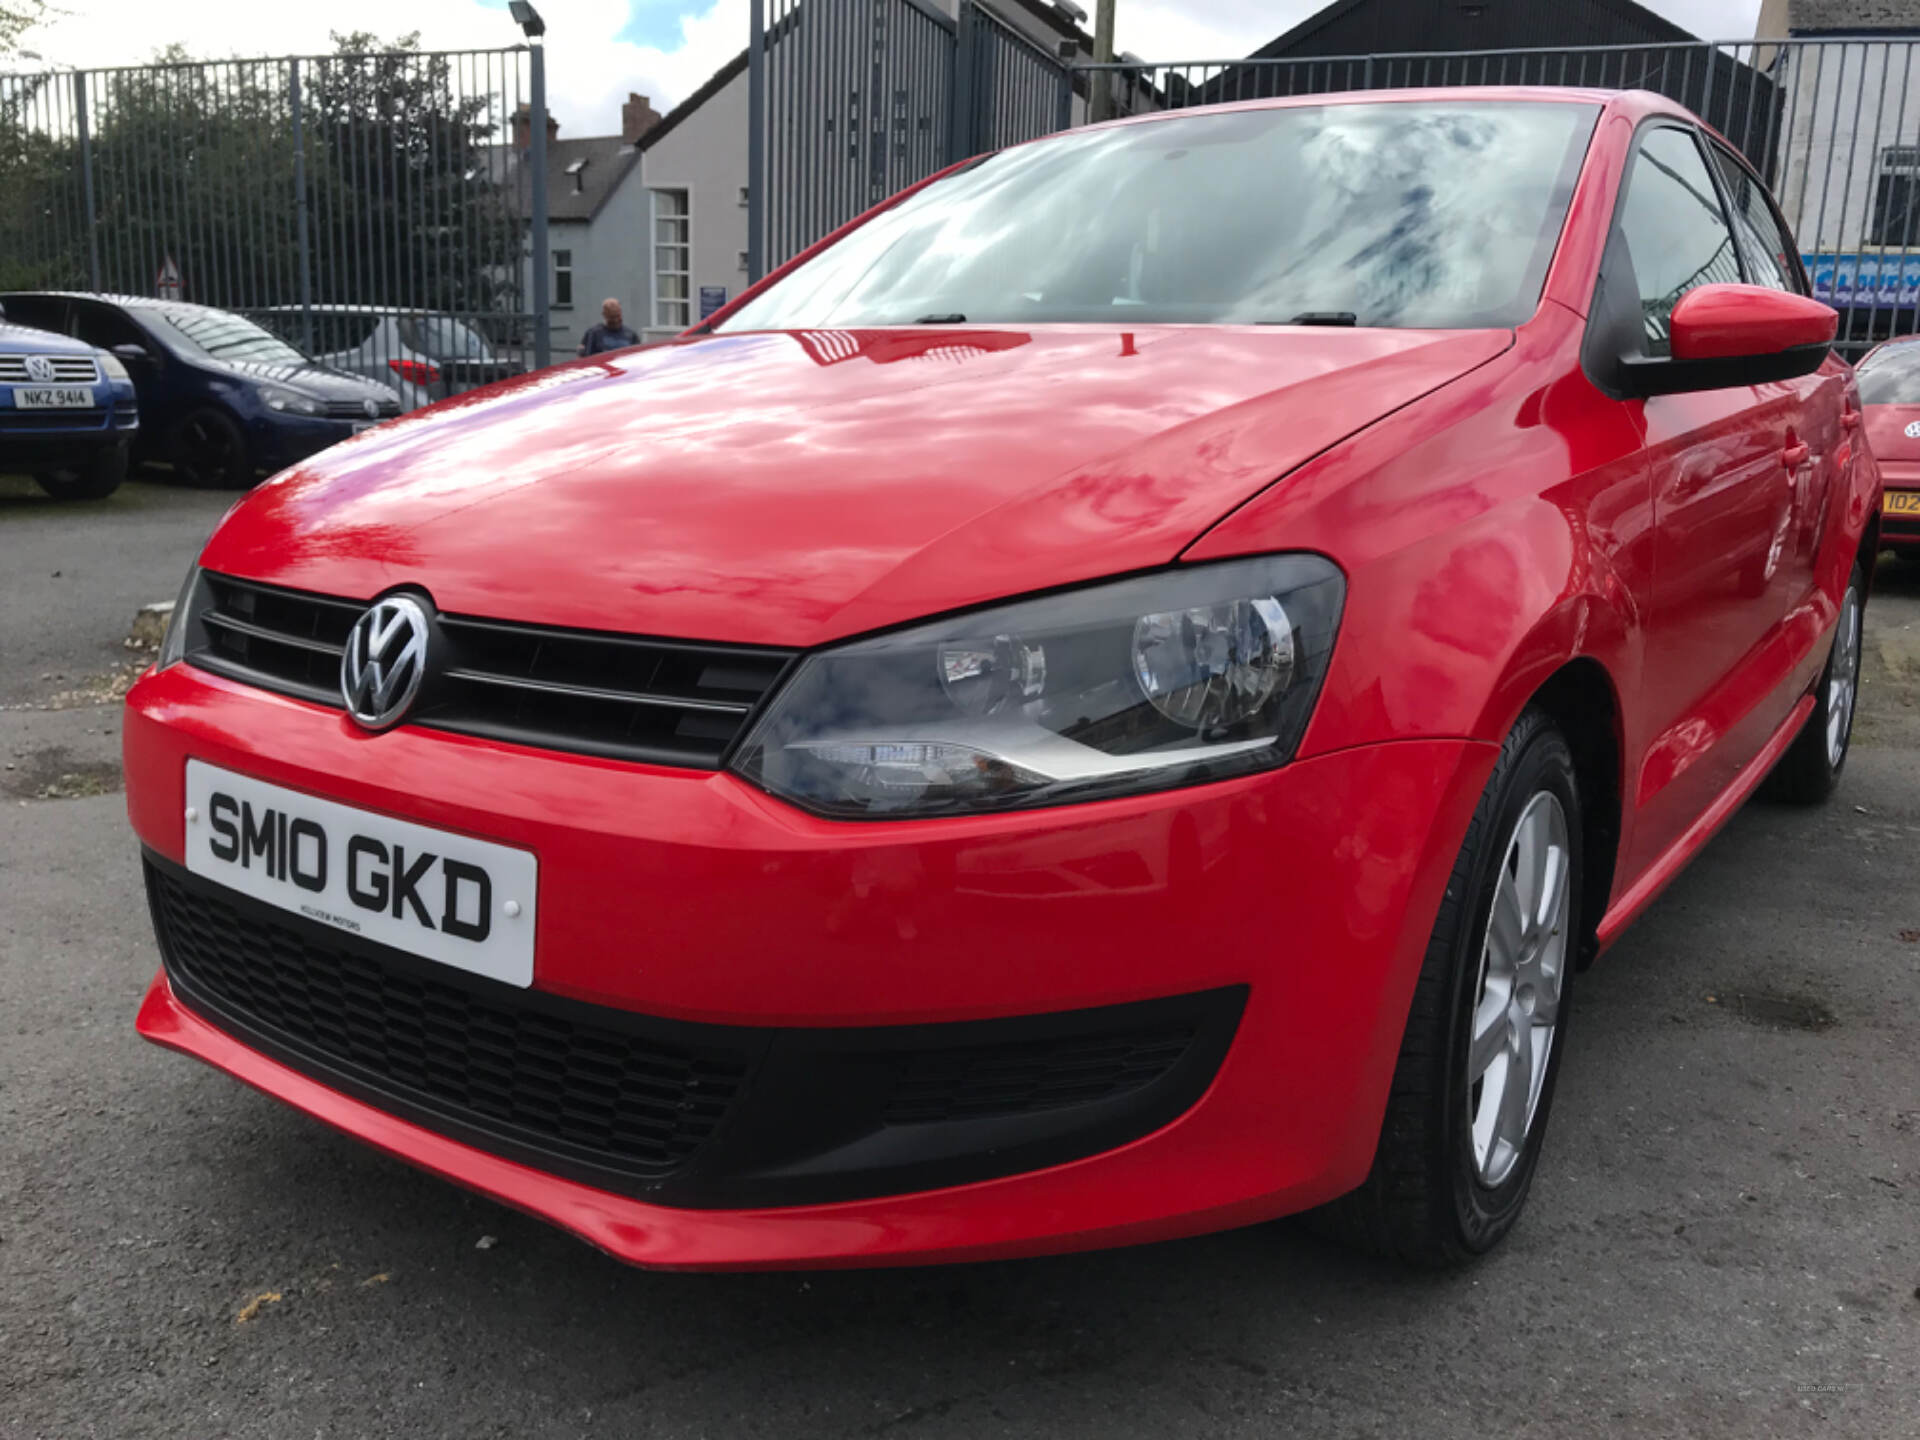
(807, 1126)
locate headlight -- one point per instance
(1171, 679)
(173, 644)
(113, 369)
(291, 401)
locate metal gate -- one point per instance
(377, 205)
(1832, 125)
(853, 100)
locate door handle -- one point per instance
(1797, 455)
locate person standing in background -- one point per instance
(610, 334)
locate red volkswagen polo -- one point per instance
(1890, 400)
(1108, 700)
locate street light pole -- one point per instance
(1100, 88)
(533, 27)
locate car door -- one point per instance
(1718, 465)
(107, 326)
(1823, 409)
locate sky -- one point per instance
(598, 50)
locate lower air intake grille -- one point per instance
(513, 1071)
(1017, 1079)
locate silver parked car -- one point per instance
(425, 355)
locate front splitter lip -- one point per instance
(985, 1221)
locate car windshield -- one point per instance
(220, 336)
(1891, 377)
(1407, 214)
(444, 338)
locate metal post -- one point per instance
(86, 177)
(302, 246)
(962, 126)
(1100, 97)
(537, 152)
(756, 144)
(1063, 117)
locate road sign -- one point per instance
(166, 285)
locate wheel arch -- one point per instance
(1585, 706)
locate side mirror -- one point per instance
(133, 354)
(1728, 335)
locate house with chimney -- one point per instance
(597, 221)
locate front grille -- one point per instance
(667, 702)
(67, 370)
(1020, 1078)
(357, 410)
(505, 1067)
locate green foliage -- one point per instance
(197, 162)
(16, 18)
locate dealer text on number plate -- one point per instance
(463, 902)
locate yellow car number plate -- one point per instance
(1900, 502)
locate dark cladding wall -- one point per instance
(1360, 27)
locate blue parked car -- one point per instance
(67, 413)
(223, 401)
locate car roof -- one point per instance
(125, 302)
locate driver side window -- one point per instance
(1675, 231)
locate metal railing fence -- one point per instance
(295, 190)
(851, 101)
(1832, 125)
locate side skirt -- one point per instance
(1660, 874)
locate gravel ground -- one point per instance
(1724, 1239)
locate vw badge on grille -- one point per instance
(385, 661)
(40, 368)
(372, 407)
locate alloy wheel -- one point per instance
(1843, 679)
(1517, 1006)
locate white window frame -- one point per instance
(559, 269)
(664, 315)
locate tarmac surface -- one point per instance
(1724, 1239)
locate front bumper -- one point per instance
(276, 440)
(689, 897)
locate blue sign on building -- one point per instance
(712, 298)
(1872, 280)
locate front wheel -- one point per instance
(207, 449)
(1810, 770)
(95, 479)
(1483, 1042)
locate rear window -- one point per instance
(1891, 377)
(443, 338)
(1417, 214)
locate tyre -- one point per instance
(207, 449)
(98, 478)
(1475, 1078)
(1810, 770)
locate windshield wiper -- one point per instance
(949, 319)
(1319, 317)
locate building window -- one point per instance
(1896, 197)
(672, 260)
(563, 279)
(746, 262)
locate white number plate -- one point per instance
(52, 397)
(463, 902)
